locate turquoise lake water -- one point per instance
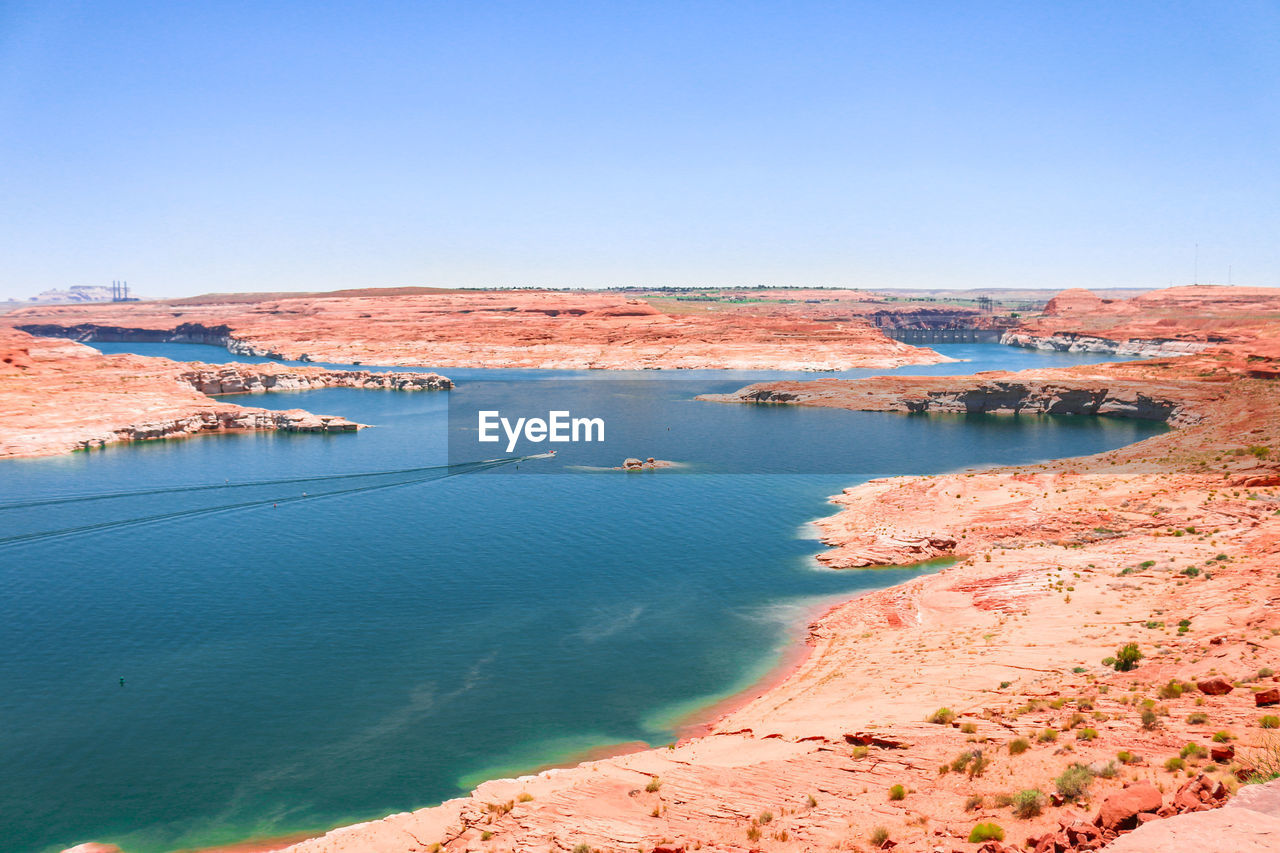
(327, 660)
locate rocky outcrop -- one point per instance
(293, 420)
(1247, 823)
(1072, 342)
(1004, 393)
(1160, 323)
(650, 464)
(183, 333)
(1120, 811)
(1131, 808)
(258, 379)
(57, 396)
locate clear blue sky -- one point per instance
(190, 147)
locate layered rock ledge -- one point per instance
(1160, 323)
(1075, 342)
(1089, 391)
(58, 397)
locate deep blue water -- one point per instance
(334, 659)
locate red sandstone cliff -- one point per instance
(1173, 321)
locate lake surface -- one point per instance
(321, 661)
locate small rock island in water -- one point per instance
(650, 464)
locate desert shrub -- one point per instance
(1221, 737)
(765, 817)
(971, 761)
(897, 792)
(1086, 734)
(1124, 756)
(1171, 690)
(1127, 657)
(1270, 721)
(861, 751)
(525, 798)
(1074, 781)
(1150, 719)
(654, 784)
(753, 832)
(986, 832)
(941, 717)
(1019, 746)
(1173, 765)
(813, 803)
(974, 802)
(879, 836)
(1197, 718)
(1109, 770)
(1047, 736)
(969, 728)
(1266, 672)
(1028, 804)
(1193, 750)
(1263, 762)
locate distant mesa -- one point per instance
(1074, 301)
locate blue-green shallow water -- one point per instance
(297, 667)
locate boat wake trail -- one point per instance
(402, 477)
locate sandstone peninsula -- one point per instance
(57, 396)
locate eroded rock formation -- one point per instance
(1173, 321)
(57, 396)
